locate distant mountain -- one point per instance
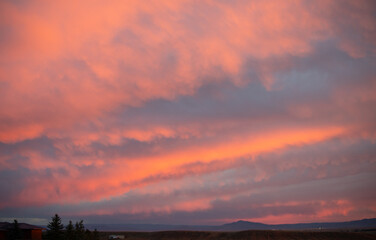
(235, 226)
(243, 225)
(365, 223)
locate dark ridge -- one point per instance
(252, 234)
(237, 226)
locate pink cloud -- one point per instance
(123, 101)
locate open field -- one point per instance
(252, 234)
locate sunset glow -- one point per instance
(188, 112)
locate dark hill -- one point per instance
(243, 225)
(252, 234)
(236, 226)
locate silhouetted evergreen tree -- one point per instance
(79, 230)
(55, 229)
(69, 231)
(15, 232)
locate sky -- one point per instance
(188, 112)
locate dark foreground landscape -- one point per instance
(353, 230)
(249, 235)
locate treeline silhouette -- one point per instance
(14, 233)
(77, 231)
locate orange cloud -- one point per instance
(102, 100)
(129, 53)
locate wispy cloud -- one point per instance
(185, 112)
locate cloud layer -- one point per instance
(188, 111)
